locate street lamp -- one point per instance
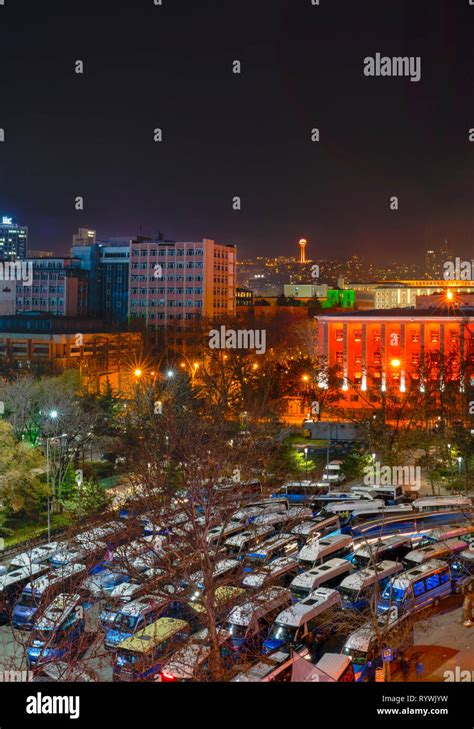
(51, 438)
(170, 374)
(306, 462)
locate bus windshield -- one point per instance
(348, 593)
(284, 633)
(236, 631)
(28, 600)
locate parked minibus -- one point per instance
(333, 474)
(392, 495)
(301, 491)
(438, 503)
(394, 548)
(363, 647)
(42, 589)
(37, 555)
(318, 527)
(124, 593)
(423, 585)
(140, 657)
(225, 568)
(240, 543)
(319, 550)
(358, 589)
(248, 624)
(354, 506)
(281, 545)
(462, 570)
(459, 531)
(220, 533)
(328, 574)
(12, 584)
(191, 662)
(437, 550)
(281, 572)
(415, 521)
(136, 615)
(309, 617)
(102, 583)
(57, 632)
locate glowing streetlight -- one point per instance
(53, 414)
(395, 363)
(305, 378)
(137, 372)
(170, 374)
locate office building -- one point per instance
(13, 239)
(172, 283)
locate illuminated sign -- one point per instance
(6, 220)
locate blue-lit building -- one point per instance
(108, 270)
(13, 239)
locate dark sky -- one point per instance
(247, 135)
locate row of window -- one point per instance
(170, 290)
(188, 265)
(143, 303)
(189, 279)
(166, 252)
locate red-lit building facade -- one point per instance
(390, 350)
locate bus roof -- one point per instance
(370, 575)
(406, 578)
(436, 549)
(258, 605)
(222, 595)
(40, 584)
(257, 578)
(442, 501)
(317, 602)
(58, 610)
(151, 636)
(22, 573)
(369, 550)
(308, 578)
(361, 638)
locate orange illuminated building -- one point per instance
(391, 349)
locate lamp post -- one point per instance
(306, 462)
(53, 414)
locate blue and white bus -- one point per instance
(412, 523)
(357, 590)
(57, 632)
(417, 588)
(42, 589)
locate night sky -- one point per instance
(247, 135)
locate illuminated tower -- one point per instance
(302, 245)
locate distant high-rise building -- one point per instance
(13, 239)
(173, 283)
(302, 244)
(84, 237)
(430, 264)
